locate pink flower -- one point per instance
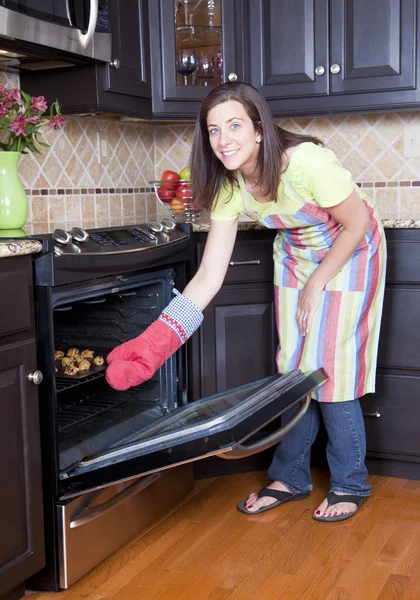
(34, 119)
(15, 96)
(3, 110)
(18, 126)
(38, 103)
(57, 122)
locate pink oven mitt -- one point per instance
(136, 361)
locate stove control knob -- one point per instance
(36, 377)
(155, 226)
(168, 225)
(79, 235)
(61, 236)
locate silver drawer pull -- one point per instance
(241, 263)
(376, 414)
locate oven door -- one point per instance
(217, 425)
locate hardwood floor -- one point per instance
(207, 550)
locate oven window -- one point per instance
(91, 416)
(70, 13)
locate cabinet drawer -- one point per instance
(403, 250)
(251, 260)
(15, 304)
(391, 415)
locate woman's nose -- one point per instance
(225, 138)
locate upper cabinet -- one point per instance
(307, 57)
(315, 56)
(195, 45)
(123, 87)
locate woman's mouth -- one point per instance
(229, 152)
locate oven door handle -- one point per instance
(243, 450)
(89, 514)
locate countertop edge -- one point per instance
(10, 248)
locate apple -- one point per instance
(169, 180)
(166, 195)
(185, 174)
(183, 191)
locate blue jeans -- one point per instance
(346, 449)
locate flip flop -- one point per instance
(333, 499)
(281, 498)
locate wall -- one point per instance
(67, 186)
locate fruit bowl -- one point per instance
(175, 197)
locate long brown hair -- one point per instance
(208, 173)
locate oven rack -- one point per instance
(65, 383)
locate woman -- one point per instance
(329, 258)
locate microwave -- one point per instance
(36, 34)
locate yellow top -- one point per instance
(314, 172)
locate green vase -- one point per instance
(13, 201)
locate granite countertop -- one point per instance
(389, 222)
(18, 247)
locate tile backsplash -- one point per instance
(66, 185)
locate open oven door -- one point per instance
(216, 425)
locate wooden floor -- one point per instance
(206, 549)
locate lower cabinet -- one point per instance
(21, 511)
(238, 339)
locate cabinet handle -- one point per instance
(232, 77)
(319, 70)
(116, 63)
(241, 263)
(36, 377)
(376, 414)
(335, 69)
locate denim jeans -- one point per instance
(346, 449)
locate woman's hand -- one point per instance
(308, 302)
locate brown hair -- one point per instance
(208, 173)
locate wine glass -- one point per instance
(205, 69)
(186, 63)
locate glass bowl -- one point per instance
(175, 197)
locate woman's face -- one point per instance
(232, 136)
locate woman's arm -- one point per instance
(209, 278)
(353, 215)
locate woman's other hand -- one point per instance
(308, 303)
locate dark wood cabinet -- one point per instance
(320, 56)
(21, 511)
(122, 87)
(169, 98)
(238, 339)
(391, 414)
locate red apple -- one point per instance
(166, 195)
(183, 191)
(169, 180)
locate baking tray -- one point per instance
(81, 374)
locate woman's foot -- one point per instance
(342, 508)
(253, 504)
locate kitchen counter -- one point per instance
(18, 247)
(389, 222)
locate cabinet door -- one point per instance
(129, 72)
(288, 42)
(373, 44)
(21, 521)
(238, 338)
(211, 31)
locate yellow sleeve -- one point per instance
(318, 175)
(227, 205)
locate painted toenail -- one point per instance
(318, 512)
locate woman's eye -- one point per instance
(213, 131)
(235, 125)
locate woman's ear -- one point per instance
(258, 138)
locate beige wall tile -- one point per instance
(387, 200)
(410, 200)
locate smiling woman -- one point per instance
(329, 275)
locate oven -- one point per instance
(115, 462)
